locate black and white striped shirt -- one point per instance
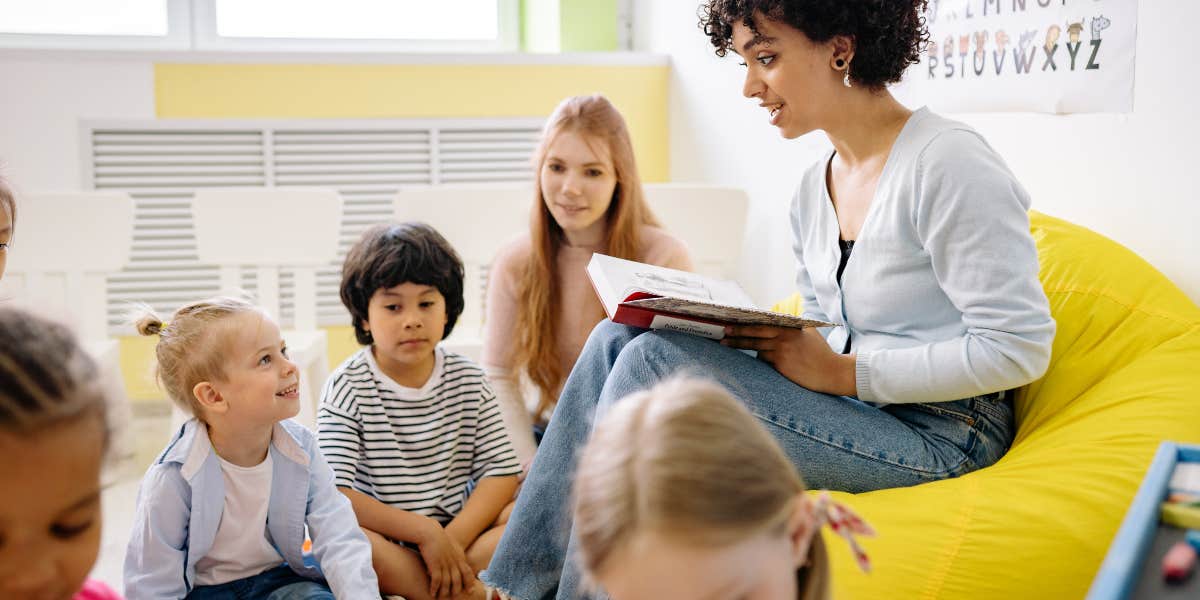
(420, 450)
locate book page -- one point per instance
(604, 288)
(680, 285)
(628, 277)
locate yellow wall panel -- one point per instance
(418, 91)
(137, 364)
(341, 344)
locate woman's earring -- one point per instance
(842, 64)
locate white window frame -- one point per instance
(192, 26)
(179, 36)
(204, 29)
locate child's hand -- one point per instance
(472, 590)
(446, 562)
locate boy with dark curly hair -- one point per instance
(413, 432)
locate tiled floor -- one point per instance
(148, 435)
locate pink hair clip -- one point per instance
(847, 524)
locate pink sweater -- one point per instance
(94, 589)
(579, 312)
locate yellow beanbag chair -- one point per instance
(1124, 376)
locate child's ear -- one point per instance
(209, 398)
(801, 527)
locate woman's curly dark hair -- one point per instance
(888, 34)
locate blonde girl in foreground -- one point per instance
(681, 494)
(222, 512)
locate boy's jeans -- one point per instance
(280, 583)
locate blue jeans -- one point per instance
(280, 583)
(836, 442)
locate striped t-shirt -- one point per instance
(420, 450)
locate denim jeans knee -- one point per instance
(304, 590)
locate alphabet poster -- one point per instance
(1054, 56)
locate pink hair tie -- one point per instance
(846, 523)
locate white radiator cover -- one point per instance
(162, 162)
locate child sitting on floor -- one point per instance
(53, 437)
(222, 512)
(412, 431)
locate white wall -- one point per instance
(1131, 177)
(43, 101)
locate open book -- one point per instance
(654, 297)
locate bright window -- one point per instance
(95, 24)
(358, 19)
(450, 26)
(356, 25)
(84, 17)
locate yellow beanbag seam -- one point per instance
(1174, 318)
(937, 577)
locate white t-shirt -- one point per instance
(241, 547)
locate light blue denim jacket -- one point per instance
(183, 495)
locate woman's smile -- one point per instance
(775, 111)
(573, 210)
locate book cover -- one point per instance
(655, 297)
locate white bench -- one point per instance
(269, 230)
(64, 246)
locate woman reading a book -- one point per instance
(540, 306)
(911, 235)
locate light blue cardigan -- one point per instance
(941, 295)
(183, 494)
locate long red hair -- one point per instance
(599, 122)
